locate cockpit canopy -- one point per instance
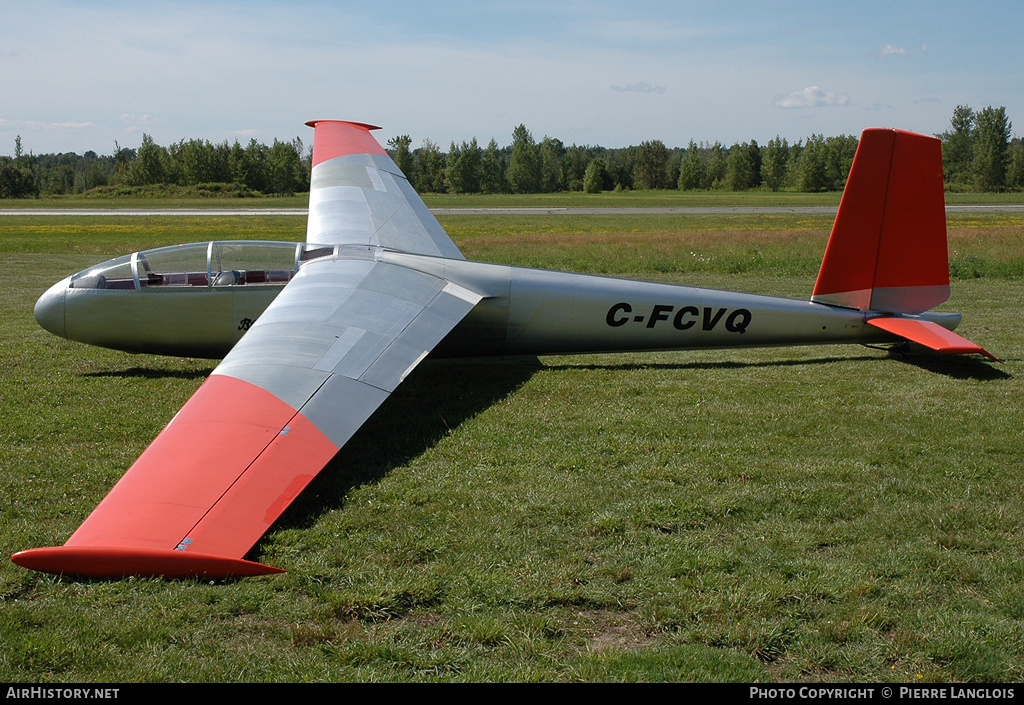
(203, 264)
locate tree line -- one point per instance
(528, 166)
(979, 154)
(281, 168)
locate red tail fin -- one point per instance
(887, 251)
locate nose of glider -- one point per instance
(49, 311)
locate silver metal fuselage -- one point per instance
(524, 311)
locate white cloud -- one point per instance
(642, 87)
(144, 119)
(890, 50)
(811, 97)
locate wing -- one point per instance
(357, 196)
(324, 355)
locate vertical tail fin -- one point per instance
(887, 251)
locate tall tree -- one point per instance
(523, 173)
(839, 153)
(650, 170)
(249, 165)
(123, 157)
(551, 153)
(284, 168)
(462, 169)
(197, 161)
(958, 146)
(1015, 164)
(15, 181)
(594, 177)
(775, 163)
(691, 169)
(430, 164)
(402, 155)
(991, 148)
(743, 167)
(717, 166)
(811, 170)
(574, 166)
(149, 165)
(492, 170)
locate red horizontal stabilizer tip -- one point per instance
(338, 138)
(120, 562)
(931, 335)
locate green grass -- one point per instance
(156, 201)
(796, 514)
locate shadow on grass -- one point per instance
(718, 365)
(955, 366)
(436, 398)
(152, 373)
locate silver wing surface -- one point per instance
(340, 337)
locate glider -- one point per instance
(314, 336)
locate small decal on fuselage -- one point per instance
(681, 318)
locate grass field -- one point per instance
(606, 199)
(797, 514)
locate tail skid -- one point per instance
(887, 252)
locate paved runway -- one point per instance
(681, 210)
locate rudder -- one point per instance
(887, 251)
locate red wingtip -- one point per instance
(337, 138)
(120, 562)
(363, 125)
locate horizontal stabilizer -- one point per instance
(929, 334)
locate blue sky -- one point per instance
(76, 76)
